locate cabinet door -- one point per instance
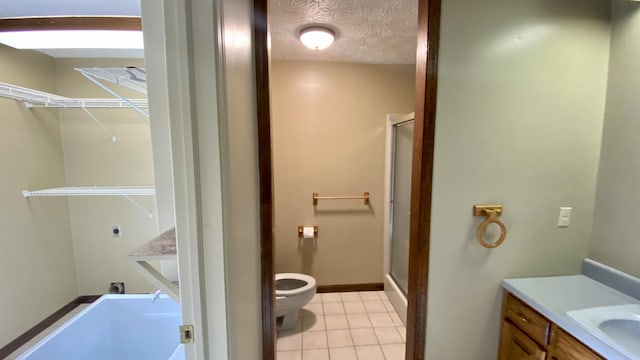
(527, 319)
(516, 345)
(566, 347)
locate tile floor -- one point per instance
(345, 326)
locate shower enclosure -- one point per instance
(399, 157)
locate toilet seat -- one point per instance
(310, 284)
(296, 290)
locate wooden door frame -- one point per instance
(265, 171)
(421, 178)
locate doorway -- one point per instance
(422, 169)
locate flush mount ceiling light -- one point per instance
(317, 37)
(74, 32)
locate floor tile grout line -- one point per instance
(351, 336)
(350, 328)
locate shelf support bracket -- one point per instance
(156, 278)
(149, 213)
(133, 106)
(99, 123)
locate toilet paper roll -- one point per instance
(308, 233)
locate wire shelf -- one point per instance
(93, 191)
(131, 77)
(34, 98)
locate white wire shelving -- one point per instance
(130, 77)
(34, 98)
(133, 78)
(93, 191)
(125, 191)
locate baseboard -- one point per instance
(350, 287)
(42, 325)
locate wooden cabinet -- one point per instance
(526, 334)
(516, 345)
(527, 319)
(567, 347)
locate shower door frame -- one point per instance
(398, 302)
(421, 176)
(393, 120)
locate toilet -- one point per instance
(293, 291)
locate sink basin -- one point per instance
(618, 326)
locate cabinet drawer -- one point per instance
(527, 319)
(566, 347)
(515, 345)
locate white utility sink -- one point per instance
(618, 326)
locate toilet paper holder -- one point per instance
(301, 231)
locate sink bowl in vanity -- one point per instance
(619, 326)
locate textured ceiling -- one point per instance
(368, 31)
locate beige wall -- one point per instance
(92, 159)
(37, 270)
(521, 89)
(329, 137)
(614, 238)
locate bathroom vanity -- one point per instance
(526, 334)
(595, 315)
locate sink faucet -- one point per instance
(156, 295)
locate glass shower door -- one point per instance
(401, 202)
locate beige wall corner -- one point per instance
(521, 89)
(37, 269)
(614, 238)
(329, 122)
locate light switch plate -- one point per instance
(565, 216)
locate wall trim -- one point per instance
(42, 325)
(350, 287)
(131, 23)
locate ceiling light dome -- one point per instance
(317, 37)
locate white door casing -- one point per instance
(199, 60)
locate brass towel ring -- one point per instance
(491, 212)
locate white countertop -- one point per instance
(554, 296)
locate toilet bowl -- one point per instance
(293, 291)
